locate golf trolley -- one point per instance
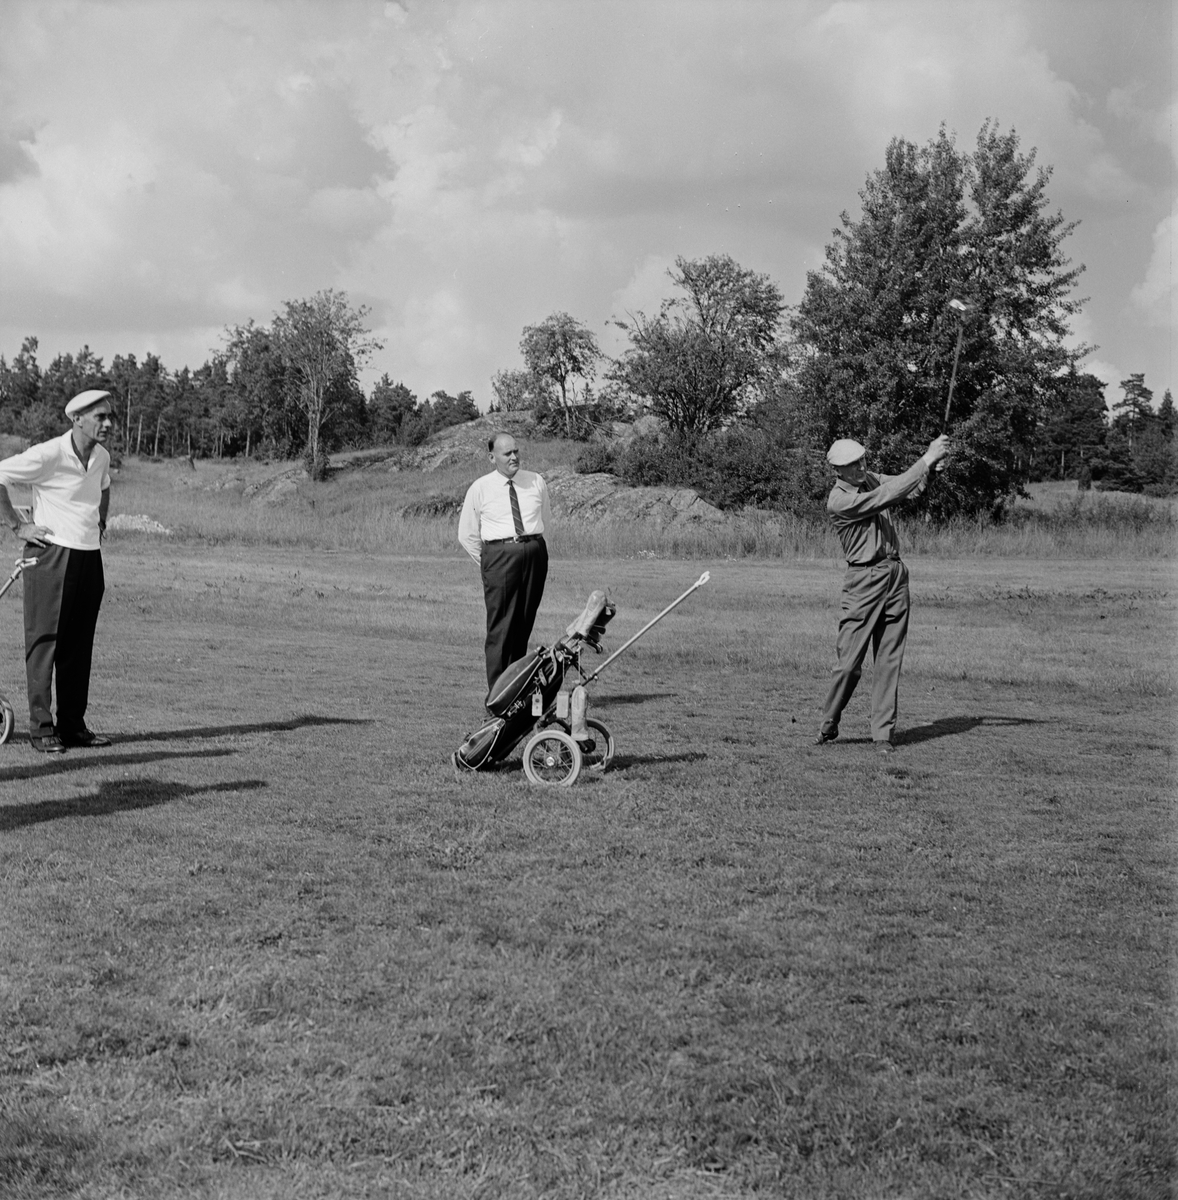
(7, 716)
(542, 698)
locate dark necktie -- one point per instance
(516, 519)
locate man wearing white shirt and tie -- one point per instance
(502, 526)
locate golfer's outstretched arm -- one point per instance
(892, 488)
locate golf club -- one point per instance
(960, 308)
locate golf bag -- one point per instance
(524, 696)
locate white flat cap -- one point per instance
(82, 401)
(844, 452)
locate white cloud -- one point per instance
(1154, 296)
(468, 168)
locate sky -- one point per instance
(467, 167)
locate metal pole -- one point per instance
(698, 583)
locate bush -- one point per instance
(577, 422)
(594, 457)
(740, 467)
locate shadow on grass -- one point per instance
(515, 766)
(634, 697)
(948, 726)
(59, 764)
(114, 795)
(622, 761)
(213, 731)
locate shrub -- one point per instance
(577, 422)
(741, 467)
(594, 457)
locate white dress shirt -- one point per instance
(66, 495)
(486, 511)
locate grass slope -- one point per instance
(267, 945)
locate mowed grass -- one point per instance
(268, 945)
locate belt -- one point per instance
(523, 537)
(875, 562)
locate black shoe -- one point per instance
(49, 744)
(87, 739)
(829, 736)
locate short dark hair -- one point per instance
(494, 438)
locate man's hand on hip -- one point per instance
(36, 534)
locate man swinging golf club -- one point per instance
(875, 600)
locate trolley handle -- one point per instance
(22, 564)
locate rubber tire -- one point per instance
(7, 720)
(559, 758)
(598, 758)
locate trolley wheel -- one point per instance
(604, 746)
(552, 757)
(7, 720)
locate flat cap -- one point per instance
(844, 452)
(82, 401)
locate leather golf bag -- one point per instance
(511, 702)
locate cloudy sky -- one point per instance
(466, 167)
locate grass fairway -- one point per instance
(268, 945)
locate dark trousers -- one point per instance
(874, 612)
(513, 586)
(63, 593)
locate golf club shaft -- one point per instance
(698, 583)
(953, 377)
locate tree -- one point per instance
(1166, 418)
(709, 352)
(257, 399)
(516, 391)
(1074, 427)
(324, 343)
(558, 349)
(391, 403)
(875, 335)
(1134, 411)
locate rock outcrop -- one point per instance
(603, 497)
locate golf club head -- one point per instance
(959, 306)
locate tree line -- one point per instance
(954, 270)
(285, 390)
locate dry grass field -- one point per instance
(267, 945)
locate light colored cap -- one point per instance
(844, 452)
(82, 401)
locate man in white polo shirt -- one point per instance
(502, 526)
(70, 480)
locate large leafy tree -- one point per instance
(323, 342)
(876, 335)
(709, 351)
(556, 350)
